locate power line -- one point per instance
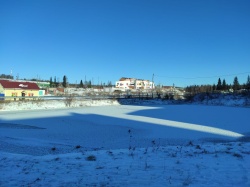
(207, 77)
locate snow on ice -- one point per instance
(137, 143)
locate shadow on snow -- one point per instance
(92, 131)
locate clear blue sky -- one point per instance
(181, 42)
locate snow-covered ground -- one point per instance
(105, 143)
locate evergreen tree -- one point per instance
(214, 87)
(224, 85)
(219, 86)
(89, 84)
(50, 82)
(109, 83)
(248, 83)
(81, 84)
(55, 83)
(64, 81)
(236, 85)
(6, 76)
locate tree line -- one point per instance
(3, 76)
(221, 84)
(220, 87)
(85, 84)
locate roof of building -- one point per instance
(124, 79)
(131, 79)
(19, 85)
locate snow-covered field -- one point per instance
(104, 143)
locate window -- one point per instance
(14, 94)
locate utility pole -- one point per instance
(152, 80)
(85, 83)
(152, 85)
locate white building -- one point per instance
(132, 83)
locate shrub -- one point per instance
(68, 100)
(78, 147)
(198, 147)
(91, 158)
(189, 97)
(237, 155)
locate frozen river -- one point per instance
(112, 127)
(122, 145)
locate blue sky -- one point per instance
(181, 42)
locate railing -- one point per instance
(92, 97)
(16, 98)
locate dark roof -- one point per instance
(19, 85)
(125, 78)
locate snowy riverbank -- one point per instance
(202, 99)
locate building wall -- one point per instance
(41, 92)
(15, 94)
(144, 84)
(134, 84)
(122, 84)
(1, 89)
(1, 96)
(43, 84)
